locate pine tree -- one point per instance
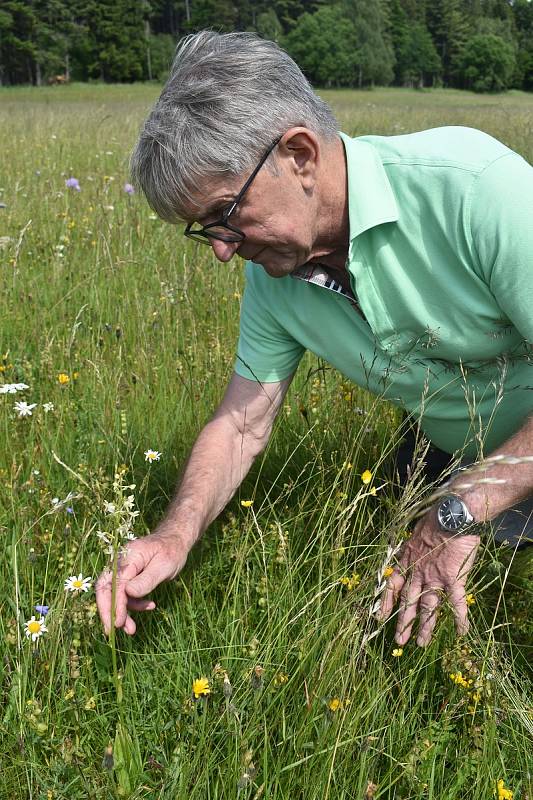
(523, 19)
(116, 40)
(17, 46)
(449, 29)
(398, 31)
(218, 14)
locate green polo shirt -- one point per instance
(441, 263)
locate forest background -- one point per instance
(481, 45)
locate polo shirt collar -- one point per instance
(371, 200)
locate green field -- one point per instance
(141, 326)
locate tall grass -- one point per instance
(273, 606)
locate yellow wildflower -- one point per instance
(459, 680)
(366, 476)
(63, 378)
(352, 582)
(397, 652)
(503, 793)
(387, 572)
(246, 503)
(335, 704)
(200, 688)
(470, 599)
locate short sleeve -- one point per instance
(266, 351)
(501, 217)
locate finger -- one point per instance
(126, 572)
(395, 585)
(408, 610)
(103, 598)
(457, 598)
(104, 594)
(129, 626)
(140, 605)
(429, 604)
(151, 576)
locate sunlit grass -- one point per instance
(305, 702)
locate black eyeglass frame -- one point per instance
(204, 234)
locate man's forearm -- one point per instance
(219, 461)
(487, 500)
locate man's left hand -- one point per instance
(431, 564)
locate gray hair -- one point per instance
(228, 97)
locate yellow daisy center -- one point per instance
(34, 627)
(77, 584)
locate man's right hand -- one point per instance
(220, 459)
(147, 563)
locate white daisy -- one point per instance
(79, 584)
(24, 409)
(13, 388)
(35, 628)
(152, 455)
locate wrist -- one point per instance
(453, 515)
(176, 533)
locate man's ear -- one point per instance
(301, 148)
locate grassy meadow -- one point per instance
(124, 334)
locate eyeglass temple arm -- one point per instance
(250, 179)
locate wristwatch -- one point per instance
(453, 515)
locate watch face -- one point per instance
(451, 514)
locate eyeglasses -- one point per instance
(222, 229)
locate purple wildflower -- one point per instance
(73, 183)
(43, 610)
(129, 189)
(70, 510)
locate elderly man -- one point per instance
(404, 261)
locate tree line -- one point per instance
(484, 45)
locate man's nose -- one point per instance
(224, 251)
